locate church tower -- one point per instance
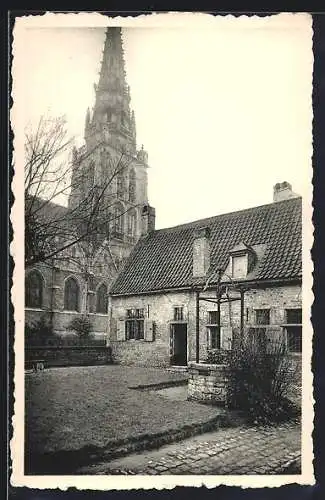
(110, 162)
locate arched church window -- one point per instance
(71, 295)
(102, 299)
(34, 290)
(132, 186)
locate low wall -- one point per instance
(70, 355)
(207, 383)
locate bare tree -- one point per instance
(51, 171)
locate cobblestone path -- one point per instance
(267, 450)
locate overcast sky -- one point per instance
(223, 108)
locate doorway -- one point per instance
(178, 344)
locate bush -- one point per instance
(218, 356)
(82, 326)
(260, 375)
(39, 333)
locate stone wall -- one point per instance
(207, 383)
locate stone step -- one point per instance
(178, 369)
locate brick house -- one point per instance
(153, 300)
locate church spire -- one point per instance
(112, 114)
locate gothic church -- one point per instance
(79, 283)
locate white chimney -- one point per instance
(283, 191)
(201, 252)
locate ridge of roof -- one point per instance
(209, 220)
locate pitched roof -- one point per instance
(163, 259)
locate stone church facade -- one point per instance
(78, 281)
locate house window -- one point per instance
(134, 324)
(294, 330)
(262, 316)
(178, 313)
(213, 317)
(294, 316)
(71, 295)
(34, 290)
(239, 266)
(213, 330)
(102, 299)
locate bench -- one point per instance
(35, 364)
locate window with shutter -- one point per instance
(134, 324)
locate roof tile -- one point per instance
(163, 259)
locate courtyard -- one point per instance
(89, 420)
(76, 414)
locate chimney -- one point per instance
(283, 191)
(201, 252)
(148, 216)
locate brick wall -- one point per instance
(159, 308)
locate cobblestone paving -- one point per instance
(269, 450)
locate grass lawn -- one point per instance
(75, 407)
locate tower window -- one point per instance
(71, 295)
(118, 221)
(34, 290)
(132, 186)
(131, 224)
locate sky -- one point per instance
(222, 105)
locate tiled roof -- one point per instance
(163, 259)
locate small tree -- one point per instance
(82, 326)
(260, 375)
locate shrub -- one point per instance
(260, 375)
(82, 326)
(218, 356)
(39, 333)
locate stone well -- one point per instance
(207, 383)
